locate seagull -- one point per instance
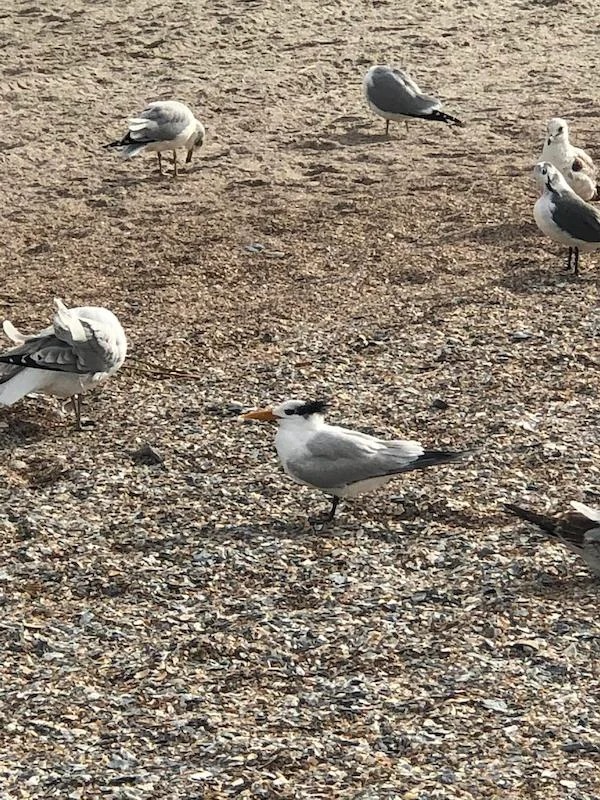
(393, 95)
(563, 216)
(162, 125)
(577, 167)
(82, 347)
(579, 530)
(339, 461)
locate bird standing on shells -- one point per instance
(163, 125)
(579, 530)
(393, 95)
(83, 347)
(577, 167)
(336, 460)
(564, 216)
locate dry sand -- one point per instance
(178, 630)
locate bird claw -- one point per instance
(86, 424)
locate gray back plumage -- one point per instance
(394, 92)
(337, 457)
(161, 121)
(576, 217)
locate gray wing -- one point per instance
(159, 122)
(337, 458)
(391, 93)
(576, 217)
(74, 346)
(43, 352)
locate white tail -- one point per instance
(24, 382)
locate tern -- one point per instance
(162, 125)
(575, 164)
(563, 216)
(579, 530)
(393, 95)
(339, 461)
(83, 347)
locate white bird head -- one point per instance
(548, 177)
(200, 134)
(557, 131)
(289, 411)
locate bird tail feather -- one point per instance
(432, 458)
(19, 384)
(544, 522)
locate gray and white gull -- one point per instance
(392, 94)
(564, 216)
(83, 347)
(162, 125)
(339, 461)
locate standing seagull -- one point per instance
(576, 166)
(81, 348)
(163, 125)
(563, 216)
(339, 461)
(579, 530)
(393, 95)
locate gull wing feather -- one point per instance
(160, 122)
(390, 92)
(338, 457)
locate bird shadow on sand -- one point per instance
(502, 233)
(525, 275)
(544, 584)
(21, 430)
(334, 139)
(129, 181)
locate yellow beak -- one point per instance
(262, 414)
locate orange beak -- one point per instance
(262, 414)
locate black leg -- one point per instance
(334, 505)
(569, 259)
(576, 268)
(76, 403)
(159, 163)
(387, 127)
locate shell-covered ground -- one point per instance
(179, 629)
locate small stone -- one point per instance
(146, 454)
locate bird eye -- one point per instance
(544, 171)
(560, 130)
(289, 411)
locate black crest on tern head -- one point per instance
(311, 407)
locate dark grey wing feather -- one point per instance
(47, 352)
(390, 93)
(576, 217)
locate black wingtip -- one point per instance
(441, 116)
(546, 524)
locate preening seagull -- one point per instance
(339, 461)
(163, 125)
(577, 167)
(83, 347)
(579, 530)
(563, 216)
(393, 95)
